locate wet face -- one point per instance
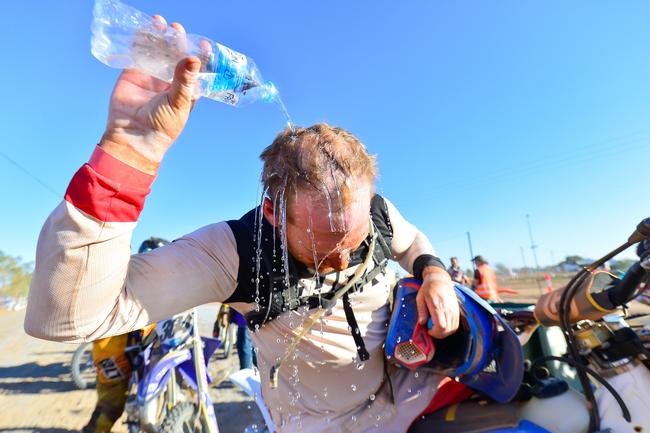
(323, 239)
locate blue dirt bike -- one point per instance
(168, 390)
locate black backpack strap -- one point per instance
(354, 327)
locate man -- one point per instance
(485, 280)
(114, 368)
(456, 273)
(320, 221)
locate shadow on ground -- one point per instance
(38, 430)
(33, 378)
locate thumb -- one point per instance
(181, 92)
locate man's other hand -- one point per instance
(437, 299)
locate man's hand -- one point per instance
(146, 115)
(437, 298)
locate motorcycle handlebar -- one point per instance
(642, 231)
(627, 287)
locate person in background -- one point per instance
(244, 343)
(245, 348)
(456, 273)
(114, 368)
(485, 280)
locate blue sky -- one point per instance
(479, 112)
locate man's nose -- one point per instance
(340, 261)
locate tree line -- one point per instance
(15, 276)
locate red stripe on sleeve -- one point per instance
(108, 189)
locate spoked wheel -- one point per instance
(82, 367)
(229, 340)
(183, 418)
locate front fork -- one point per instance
(206, 410)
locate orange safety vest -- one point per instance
(487, 283)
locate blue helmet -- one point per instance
(485, 354)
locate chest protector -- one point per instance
(278, 291)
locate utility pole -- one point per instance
(533, 247)
(523, 259)
(471, 253)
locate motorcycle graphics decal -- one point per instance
(109, 371)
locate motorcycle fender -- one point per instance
(155, 380)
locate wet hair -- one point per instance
(318, 158)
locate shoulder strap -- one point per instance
(268, 288)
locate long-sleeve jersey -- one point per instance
(87, 285)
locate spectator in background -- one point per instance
(456, 273)
(245, 349)
(485, 280)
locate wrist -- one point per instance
(435, 273)
(128, 155)
(426, 261)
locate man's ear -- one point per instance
(269, 214)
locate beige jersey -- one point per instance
(87, 285)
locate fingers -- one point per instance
(438, 301)
(160, 23)
(206, 55)
(181, 93)
(421, 303)
(440, 321)
(179, 27)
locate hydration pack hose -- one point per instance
(311, 321)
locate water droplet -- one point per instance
(372, 397)
(360, 366)
(416, 374)
(354, 387)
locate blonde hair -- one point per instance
(314, 158)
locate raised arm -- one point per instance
(86, 284)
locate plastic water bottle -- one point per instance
(123, 37)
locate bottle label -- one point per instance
(231, 69)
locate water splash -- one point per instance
(285, 113)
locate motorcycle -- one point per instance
(570, 340)
(168, 389)
(224, 331)
(82, 367)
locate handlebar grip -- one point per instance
(624, 290)
(642, 231)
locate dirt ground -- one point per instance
(37, 393)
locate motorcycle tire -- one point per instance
(82, 367)
(182, 418)
(229, 340)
